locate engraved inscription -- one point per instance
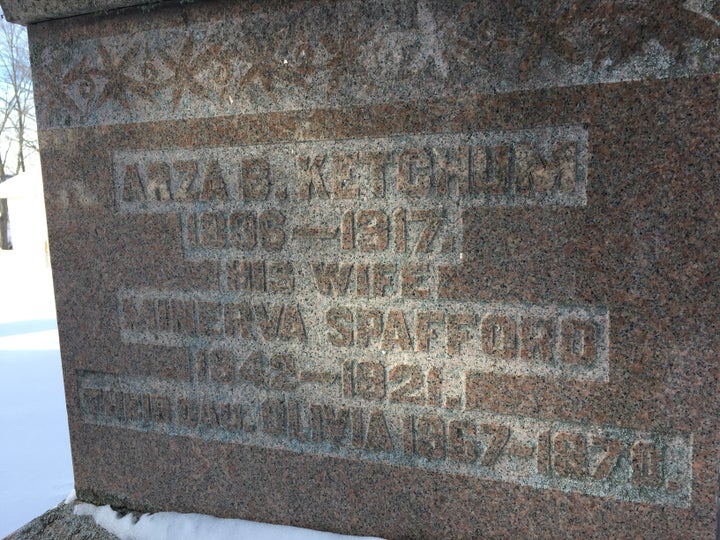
(274, 411)
(544, 166)
(312, 274)
(182, 319)
(337, 246)
(327, 332)
(571, 336)
(572, 342)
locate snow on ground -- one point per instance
(174, 526)
(35, 466)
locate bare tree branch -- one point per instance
(18, 134)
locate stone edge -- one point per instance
(32, 11)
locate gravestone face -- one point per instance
(411, 269)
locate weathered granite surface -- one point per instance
(32, 11)
(410, 269)
(60, 523)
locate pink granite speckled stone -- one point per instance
(412, 269)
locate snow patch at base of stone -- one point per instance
(71, 498)
(175, 526)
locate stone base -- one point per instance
(61, 522)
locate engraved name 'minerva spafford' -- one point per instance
(547, 340)
(328, 331)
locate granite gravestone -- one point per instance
(409, 268)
